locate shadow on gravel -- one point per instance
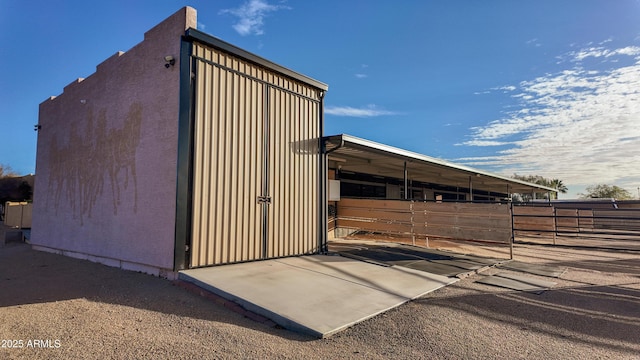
(626, 266)
(604, 260)
(32, 277)
(602, 316)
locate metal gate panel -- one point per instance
(293, 173)
(255, 190)
(227, 167)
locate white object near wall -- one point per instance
(334, 190)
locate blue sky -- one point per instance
(540, 87)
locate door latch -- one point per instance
(264, 199)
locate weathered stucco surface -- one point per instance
(106, 158)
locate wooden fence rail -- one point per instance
(463, 221)
(602, 227)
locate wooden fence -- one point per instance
(484, 222)
(492, 222)
(602, 227)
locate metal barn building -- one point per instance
(187, 152)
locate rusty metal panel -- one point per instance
(255, 162)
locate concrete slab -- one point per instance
(318, 295)
(431, 267)
(429, 260)
(461, 264)
(516, 282)
(527, 280)
(536, 269)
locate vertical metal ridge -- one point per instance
(256, 133)
(265, 170)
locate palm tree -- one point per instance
(558, 185)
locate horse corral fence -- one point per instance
(421, 221)
(485, 223)
(594, 224)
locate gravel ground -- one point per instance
(54, 307)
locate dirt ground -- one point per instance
(54, 307)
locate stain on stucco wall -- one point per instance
(99, 161)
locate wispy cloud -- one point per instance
(362, 74)
(368, 111)
(251, 15)
(504, 89)
(580, 125)
(533, 42)
(601, 52)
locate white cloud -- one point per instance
(579, 125)
(599, 52)
(368, 111)
(361, 76)
(484, 143)
(251, 16)
(533, 42)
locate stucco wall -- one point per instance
(106, 158)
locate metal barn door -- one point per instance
(255, 162)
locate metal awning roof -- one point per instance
(369, 157)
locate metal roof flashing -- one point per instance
(194, 34)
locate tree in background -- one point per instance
(601, 191)
(14, 187)
(558, 185)
(5, 171)
(539, 180)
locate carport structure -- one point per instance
(350, 154)
(376, 188)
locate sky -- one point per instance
(531, 87)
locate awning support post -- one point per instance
(406, 193)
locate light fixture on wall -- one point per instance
(37, 127)
(170, 61)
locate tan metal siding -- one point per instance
(231, 162)
(293, 174)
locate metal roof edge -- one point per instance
(345, 138)
(198, 35)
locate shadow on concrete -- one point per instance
(418, 258)
(32, 277)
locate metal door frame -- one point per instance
(184, 194)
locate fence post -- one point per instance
(413, 234)
(426, 223)
(555, 224)
(513, 232)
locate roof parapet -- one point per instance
(72, 85)
(109, 62)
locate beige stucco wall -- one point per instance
(106, 158)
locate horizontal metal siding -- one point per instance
(228, 166)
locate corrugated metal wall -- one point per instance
(255, 163)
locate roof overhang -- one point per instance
(364, 156)
(194, 34)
